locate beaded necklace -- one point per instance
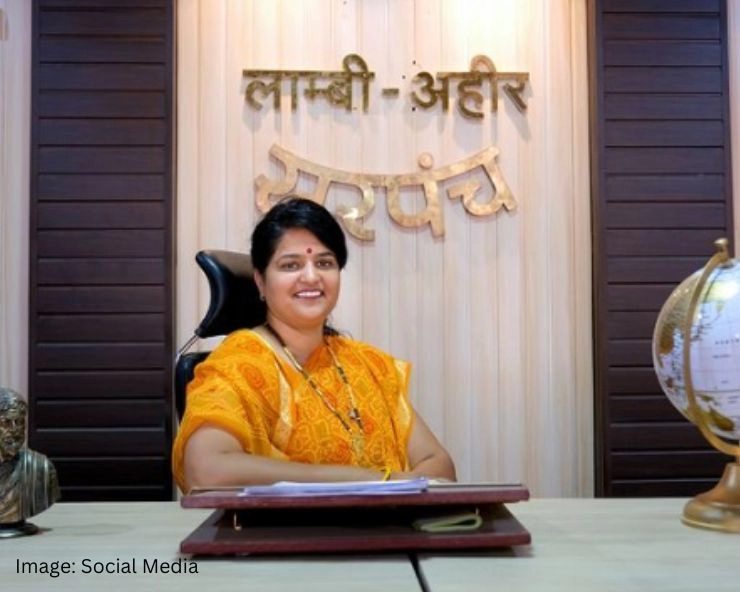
(357, 435)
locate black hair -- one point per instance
(296, 212)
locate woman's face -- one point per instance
(301, 282)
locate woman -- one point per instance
(292, 400)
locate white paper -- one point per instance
(291, 488)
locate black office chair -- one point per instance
(235, 304)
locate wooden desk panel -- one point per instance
(355, 531)
(353, 523)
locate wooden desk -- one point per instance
(578, 545)
(601, 545)
(119, 533)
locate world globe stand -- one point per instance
(718, 508)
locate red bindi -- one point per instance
(309, 250)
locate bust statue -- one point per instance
(28, 480)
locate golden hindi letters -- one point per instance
(462, 180)
(337, 87)
(469, 85)
(338, 91)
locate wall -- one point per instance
(14, 115)
(733, 52)
(15, 108)
(495, 314)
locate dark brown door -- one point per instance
(661, 196)
(101, 245)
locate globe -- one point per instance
(696, 356)
(715, 349)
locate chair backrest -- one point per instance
(235, 300)
(234, 304)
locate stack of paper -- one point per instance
(291, 488)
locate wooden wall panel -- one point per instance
(99, 187)
(73, 384)
(661, 196)
(495, 316)
(101, 245)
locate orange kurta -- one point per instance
(245, 388)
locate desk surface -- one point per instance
(598, 545)
(578, 544)
(118, 534)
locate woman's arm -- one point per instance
(427, 456)
(215, 458)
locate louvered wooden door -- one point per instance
(101, 245)
(662, 195)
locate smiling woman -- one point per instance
(294, 399)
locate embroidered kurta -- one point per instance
(245, 388)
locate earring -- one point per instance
(262, 297)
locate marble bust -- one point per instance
(28, 480)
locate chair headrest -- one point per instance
(235, 302)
